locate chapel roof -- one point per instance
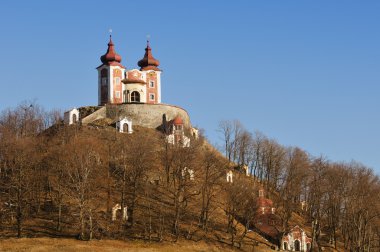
(148, 62)
(111, 57)
(132, 80)
(177, 121)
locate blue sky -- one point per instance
(306, 73)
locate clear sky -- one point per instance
(306, 73)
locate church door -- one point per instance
(74, 118)
(297, 245)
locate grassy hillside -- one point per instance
(63, 182)
(67, 245)
(81, 172)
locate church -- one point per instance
(133, 96)
(118, 85)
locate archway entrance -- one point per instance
(125, 127)
(297, 245)
(285, 246)
(74, 118)
(135, 96)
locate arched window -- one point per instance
(74, 118)
(104, 86)
(125, 127)
(135, 96)
(297, 245)
(104, 77)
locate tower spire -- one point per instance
(148, 62)
(147, 40)
(111, 56)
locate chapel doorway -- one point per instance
(297, 245)
(135, 96)
(125, 127)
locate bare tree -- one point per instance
(19, 128)
(239, 206)
(135, 161)
(361, 210)
(297, 164)
(273, 162)
(231, 133)
(211, 172)
(256, 158)
(84, 167)
(316, 199)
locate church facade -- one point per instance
(296, 240)
(117, 85)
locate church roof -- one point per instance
(148, 62)
(111, 58)
(263, 202)
(132, 80)
(177, 120)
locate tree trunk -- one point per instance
(90, 223)
(19, 205)
(82, 224)
(123, 203)
(59, 214)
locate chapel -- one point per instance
(296, 240)
(266, 221)
(132, 97)
(117, 85)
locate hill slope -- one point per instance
(79, 174)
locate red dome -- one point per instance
(177, 120)
(148, 62)
(263, 202)
(111, 56)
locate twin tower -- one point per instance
(116, 85)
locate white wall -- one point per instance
(68, 116)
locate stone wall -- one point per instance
(147, 115)
(98, 114)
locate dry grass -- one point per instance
(65, 245)
(41, 226)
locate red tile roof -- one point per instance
(129, 80)
(177, 120)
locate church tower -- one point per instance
(110, 74)
(149, 66)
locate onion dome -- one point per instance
(111, 57)
(177, 121)
(148, 62)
